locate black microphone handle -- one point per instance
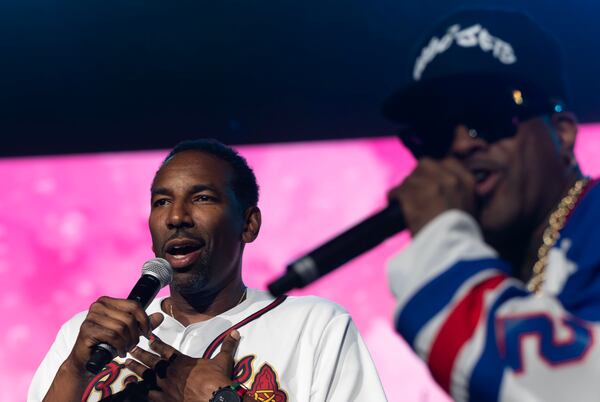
(144, 291)
(341, 249)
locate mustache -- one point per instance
(184, 234)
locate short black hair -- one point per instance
(244, 183)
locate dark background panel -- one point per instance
(102, 75)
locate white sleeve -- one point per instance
(57, 354)
(343, 369)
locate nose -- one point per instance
(179, 216)
(466, 142)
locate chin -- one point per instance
(189, 284)
(498, 225)
(506, 236)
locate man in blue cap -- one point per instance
(499, 291)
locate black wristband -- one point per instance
(231, 393)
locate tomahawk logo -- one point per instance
(115, 377)
(472, 36)
(265, 387)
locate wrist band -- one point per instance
(239, 389)
(231, 393)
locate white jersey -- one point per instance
(291, 349)
(483, 335)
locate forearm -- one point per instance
(68, 385)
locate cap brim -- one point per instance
(451, 96)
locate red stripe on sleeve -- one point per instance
(458, 328)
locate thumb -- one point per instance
(228, 348)
(230, 343)
(155, 320)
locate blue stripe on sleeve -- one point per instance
(435, 295)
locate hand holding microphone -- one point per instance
(113, 326)
(432, 188)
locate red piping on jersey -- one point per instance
(219, 339)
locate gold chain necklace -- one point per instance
(244, 293)
(557, 221)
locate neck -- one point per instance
(191, 308)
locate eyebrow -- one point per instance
(197, 188)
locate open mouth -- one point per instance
(486, 181)
(480, 175)
(182, 252)
(487, 175)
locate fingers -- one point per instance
(160, 368)
(99, 328)
(228, 348)
(105, 333)
(155, 320)
(152, 369)
(230, 343)
(456, 168)
(125, 311)
(114, 321)
(137, 367)
(147, 374)
(174, 372)
(129, 307)
(118, 328)
(117, 322)
(434, 187)
(148, 359)
(158, 363)
(461, 190)
(166, 351)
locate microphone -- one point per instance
(156, 274)
(341, 249)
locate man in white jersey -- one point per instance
(499, 289)
(212, 339)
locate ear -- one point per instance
(253, 220)
(565, 124)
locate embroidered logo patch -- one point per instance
(243, 369)
(265, 387)
(111, 379)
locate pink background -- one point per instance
(74, 228)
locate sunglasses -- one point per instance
(490, 120)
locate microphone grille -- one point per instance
(160, 269)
